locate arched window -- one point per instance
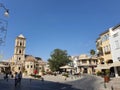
(20, 43)
(18, 68)
(19, 58)
(20, 52)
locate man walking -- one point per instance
(19, 77)
(16, 78)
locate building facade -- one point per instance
(22, 62)
(85, 64)
(103, 48)
(19, 54)
(115, 48)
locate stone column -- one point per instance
(116, 72)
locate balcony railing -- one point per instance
(86, 64)
(108, 52)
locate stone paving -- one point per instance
(114, 84)
(35, 84)
(60, 78)
(60, 83)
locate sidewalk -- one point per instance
(60, 78)
(114, 84)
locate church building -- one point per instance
(22, 62)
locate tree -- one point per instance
(58, 58)
(92, 52)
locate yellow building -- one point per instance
(104, 53)
(103, 48)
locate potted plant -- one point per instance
(107, 76)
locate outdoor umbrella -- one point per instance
(66, 67)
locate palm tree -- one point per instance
(92, 52)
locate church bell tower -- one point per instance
(19, 52)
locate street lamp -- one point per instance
(3, 25)
(6, 13)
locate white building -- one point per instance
(115, 48)
(85, 64)
(75, 60)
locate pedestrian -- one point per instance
(42, 79)
(16, 78)
(79, 74)
(71, 72)
(19, 77)
(35, 72)
(11, 75)
(6, 77)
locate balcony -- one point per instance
(108, 52)
(100, 54)
(86, 64)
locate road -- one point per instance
(85, 83)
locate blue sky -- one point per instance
(72, 25)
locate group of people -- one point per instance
(7, 75)
(18, 77)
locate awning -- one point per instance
(103, 66)
(115, 64)
(66, 67)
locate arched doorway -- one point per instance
(85, 70)
(112, 72)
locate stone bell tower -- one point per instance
(19, 52)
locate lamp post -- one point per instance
(3, 25)
(6, 13)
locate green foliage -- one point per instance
(58, 58)
(99, 73)
(107, 72)
(50, 73)
(92, 52)
(35, 76)
(65, 74)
